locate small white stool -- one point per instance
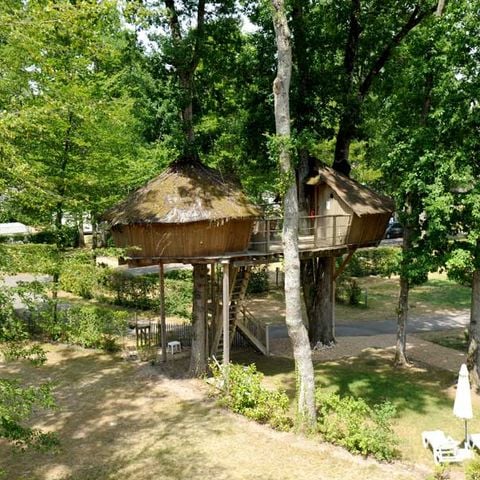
(174, 346)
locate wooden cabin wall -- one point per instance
(368, 228)
(194, 239)
(337, 206)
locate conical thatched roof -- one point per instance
(359, 198)
(184, 193)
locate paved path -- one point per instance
(384, 327)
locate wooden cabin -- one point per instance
(342, 214)
(353, 214)
(190, 210)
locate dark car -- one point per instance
(394, 230)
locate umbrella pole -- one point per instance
(466, 434)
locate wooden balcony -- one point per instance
(315, 233)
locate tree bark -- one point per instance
(198, 358)
(317, 282)
(473, 356)
(401, 359)
(296, 329)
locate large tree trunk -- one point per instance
(198, 359)
(401, 346)
(317, 282)
(296, 329)
(473, 357)
(402, 313)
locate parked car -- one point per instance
(394, 230)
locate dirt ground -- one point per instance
(124, 420)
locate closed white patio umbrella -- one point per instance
(462, 408)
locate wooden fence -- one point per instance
(149, 335)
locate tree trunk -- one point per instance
(346, 132)
(317, 282)
(81, 235)
(296, 329)
(473, 357)
(401, 359)
(401, 347)
(198, 359)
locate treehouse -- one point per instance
(342, 215)
(192, 214)
(189, 211)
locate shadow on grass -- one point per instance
(370, 375)
(115, 420)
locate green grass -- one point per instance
(423, 398)
(437, 295)
(455, 338)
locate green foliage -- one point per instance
(93, 327)
(142, 291)
(242, 392)
(80, 275)
(472, 471)
(460, 266)
(17, 403)
(258, 282)
(441, 472)
(347, 290)
(382, 261)
(351, 423)
(31, 258)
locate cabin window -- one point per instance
(328, 203)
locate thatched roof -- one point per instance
(359, 198)
(184, 193)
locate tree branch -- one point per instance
(198, 35)
(415, 18)
(173, 20)
(354, 32)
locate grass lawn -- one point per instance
(423, 397)
(118, 420)
(436, 297)
(455, 338)
(439, 295)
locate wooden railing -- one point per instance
(253, 328)
(315, 232)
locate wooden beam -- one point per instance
(341, 268)
(162, 313)
(226, 313)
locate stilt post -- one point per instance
(226, 313)
(162, 314)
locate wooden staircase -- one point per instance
(239, 277)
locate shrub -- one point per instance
(244, 393)
(80, 275)
(143, 291)
(31, 258)
(348, 291)
(353, 424)
(472, 472)
(258, 282)
(381, 261)
(93, 327)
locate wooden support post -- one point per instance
(333, 296)
(162, 314)
(267, 339)
(226, 313)
(341, 268)
(267, 235)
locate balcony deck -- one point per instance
(315, 233)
